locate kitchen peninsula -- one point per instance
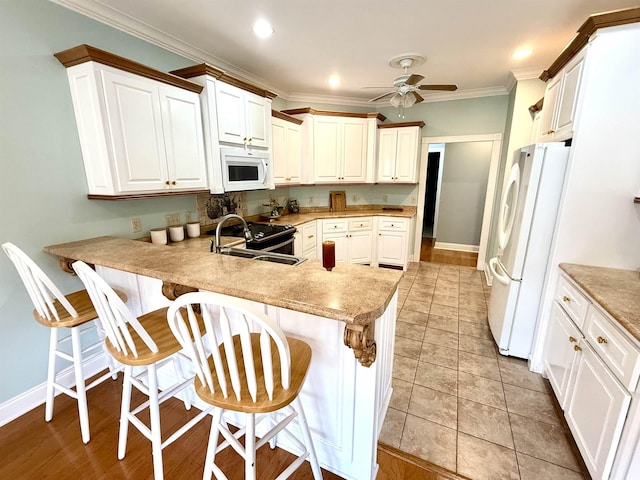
(347, 393)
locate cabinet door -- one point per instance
(392, 248)
(596, 412)
(326, 149)
(354, 150)
(279, 151)
(549, 108)
(135, 124)
(257, 120)
(184, 144)
(407, 154)
(231, 112)
(360, 247)
(340, 240)
(387, 144)
(568, 97)
(559, 352)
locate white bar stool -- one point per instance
(55, 310)
(145, 344)
(244, 363)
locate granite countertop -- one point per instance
(616, 290)
(354, 294)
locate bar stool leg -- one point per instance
(154, 413)
(250, 447)
(81, 392)
(306, 435)
(213, 444)
(51, 374)
(124, 412)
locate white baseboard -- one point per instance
(34, 397)
(458, 247)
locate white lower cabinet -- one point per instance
(593, 370)
(305, 240)
(353, 238)
(393, 241)
(596, 411)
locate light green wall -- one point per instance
(42, 185)
(465, 172)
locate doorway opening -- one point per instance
(459, 215)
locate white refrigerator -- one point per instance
(526, 222)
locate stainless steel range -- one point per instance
(265, 237)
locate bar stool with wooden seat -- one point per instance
(145, 344)
(245, 364)
(56, 311)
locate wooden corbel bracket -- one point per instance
(360, 339)
(65, 265)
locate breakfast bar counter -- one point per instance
(347, 316)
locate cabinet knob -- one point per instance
(602, 340)
(577, 348)
(572, 339)
(566, 299)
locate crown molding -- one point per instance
(125, 23)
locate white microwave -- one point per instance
(245, 169)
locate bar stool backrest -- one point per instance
(245, 334)
(113, 313)
(41, 289)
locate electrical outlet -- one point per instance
(173, 219)
(385, 198)
(136, 225)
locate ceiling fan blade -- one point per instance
(413, 79)
(418, 97)
(447, 88)
(380, 97)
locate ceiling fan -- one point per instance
(406, 86)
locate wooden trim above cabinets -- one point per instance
(205, 69)
(134, 196)
(328, 113)
(286, 118)
(86, 53)
(588, 28)
(402, 124)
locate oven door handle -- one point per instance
(279, 245)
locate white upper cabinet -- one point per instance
(232, 116)
(244, 118)
(560, 100)
(286, 140)
(398, 148)
(138, 135)
(338, 148)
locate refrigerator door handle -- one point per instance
(494, 267)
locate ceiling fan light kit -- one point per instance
(405, 87)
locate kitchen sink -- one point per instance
(262, 256)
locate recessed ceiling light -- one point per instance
(522, 53)
(334, 80)
(262, 28)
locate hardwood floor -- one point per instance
(449, 257)
(30, 448)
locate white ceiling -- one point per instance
(466, 42)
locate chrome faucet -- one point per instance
(247, 233)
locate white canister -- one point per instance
(193, 229)
(159, 236)
(176, 233)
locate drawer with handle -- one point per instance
(572, 300)
(613, 346)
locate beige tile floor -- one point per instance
(457, 402)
